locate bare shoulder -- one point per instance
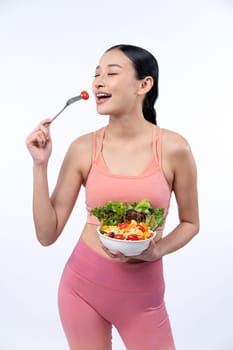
(79, 154)
(84, 142)
(81, 144)
(174, 143)
(177, 155)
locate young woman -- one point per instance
(129, 159)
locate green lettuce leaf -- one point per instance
(114, 212)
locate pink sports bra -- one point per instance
(103, 186)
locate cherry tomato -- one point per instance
(111, 234)
(119, 236)
(132, 237)
(124, 224)
(141, 228)
(84, 95)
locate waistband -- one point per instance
(112, 274)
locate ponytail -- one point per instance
(148, 109)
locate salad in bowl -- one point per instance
(128, 227)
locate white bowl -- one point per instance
(126, 247)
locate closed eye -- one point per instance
(97, 75)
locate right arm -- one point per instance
(51, 213)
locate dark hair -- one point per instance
(145, 64)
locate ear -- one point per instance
(145, 85)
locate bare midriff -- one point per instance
(90, 237)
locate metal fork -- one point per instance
(83, 96)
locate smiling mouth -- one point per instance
(101, 96)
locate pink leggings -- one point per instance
(96, 292)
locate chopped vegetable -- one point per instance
(116, 212)
(130, 230)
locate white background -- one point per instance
(49, 50)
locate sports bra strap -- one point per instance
(157, 144)
(95, 150)
(93, 146)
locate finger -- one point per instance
(116, 256)
(46, 132)
(46, 121)
(42, 139)
(120, 257)
(42, 124)
(110, 254)
(47, 124)
(37, 139)
(32, 139)
(42, 132)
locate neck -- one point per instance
(127, 126)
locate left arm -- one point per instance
(180, 170)
(180, 161)
(185, 190)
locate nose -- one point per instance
(99, 85)
(99, 81)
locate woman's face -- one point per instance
(115, 86)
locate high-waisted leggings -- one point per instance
(96, 292)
